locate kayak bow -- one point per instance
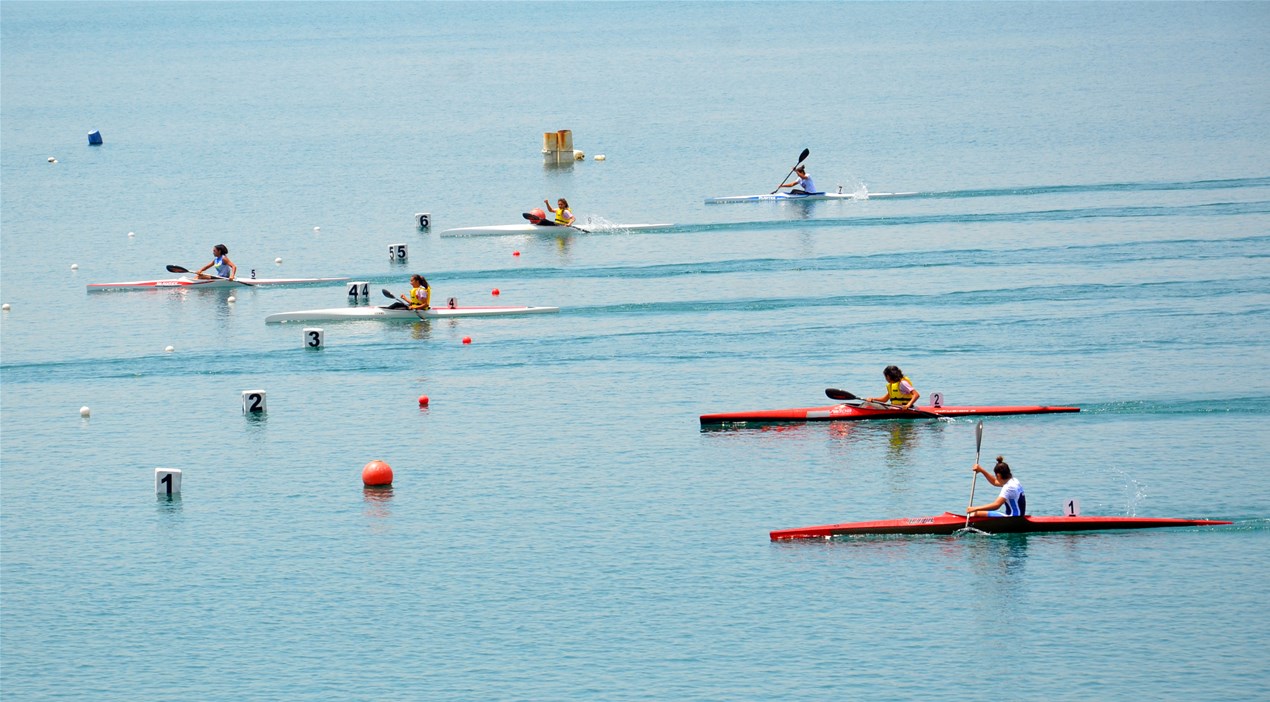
(950, 522)
(856, 412)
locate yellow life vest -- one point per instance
(417, 298)
(897, 396)
(560, 218)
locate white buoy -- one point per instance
(74, 266)
(52, 160)
(170, 349)
(5, 307)
(84, 411)
(316, 230)
(579, 155)
(131, 234)
(231, 299)
(599, 157)
(277, 260)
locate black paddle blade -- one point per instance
(388, 294)
(803, 156)
(836, 394)
(177, 269)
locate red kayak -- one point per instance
(949, 522)
(856, 412)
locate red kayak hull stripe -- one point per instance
(853, 413)
(949, 522)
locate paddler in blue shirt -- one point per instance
(1010, 503)
(801, 185)
(900, 391)
(225, 268)
(563, 217)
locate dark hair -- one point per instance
(222, 249)
(893, 374)
(421, 278)
(566, 202)
(1002, 469)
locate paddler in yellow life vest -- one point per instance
(900, 391)
(563, 217)
(420, 295)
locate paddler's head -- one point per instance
(893, 374)
(220, 250)
(1002, 469)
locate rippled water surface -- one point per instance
(1086, 221)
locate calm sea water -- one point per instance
(1091, 226)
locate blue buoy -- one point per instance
(94, 138)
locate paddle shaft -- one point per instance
(548, 223)
(836, 394)
(183, 269)
(801, 157)
(974, 475)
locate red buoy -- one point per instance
(494, 292)
(467, 339)
(423, 400)
(515, 253)
(376, 473)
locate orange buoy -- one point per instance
(423, 400)
(376, 473)
(467, 339)
(494, 292)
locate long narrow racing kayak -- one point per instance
(776, 197)
(950, 522)
(849, 412)
(527, 228)
(187, 282)
(385, 314)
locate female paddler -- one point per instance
(1010, 503)
(419, 297)
(900, 391)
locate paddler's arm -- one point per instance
(988, 475)
(233, 270)
(913, 399)
(971, 510)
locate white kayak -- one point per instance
(187, 282)
(770, 197)
(386, 314)
(527, 228)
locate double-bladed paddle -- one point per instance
(547, 223)
(389, 294)
(182, 269)
(836, 394)
(801, 157)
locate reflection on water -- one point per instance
(421, 330)
(168, 504)
(377, 504)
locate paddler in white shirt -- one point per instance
(1010, 503)
(900, 391)
(563, 217)
(801, 185)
